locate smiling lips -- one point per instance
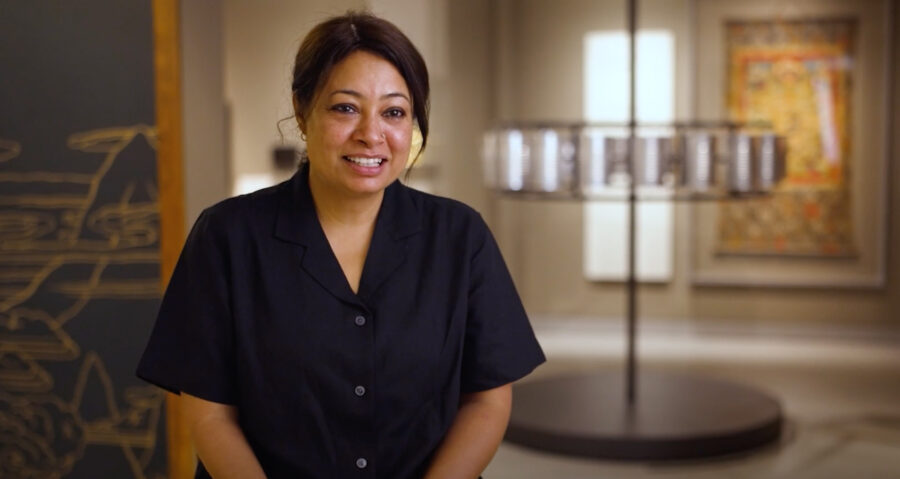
(365, 161)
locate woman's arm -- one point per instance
(219, 441)
(474, 436)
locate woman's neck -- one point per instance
(344, 211)
(348, 222)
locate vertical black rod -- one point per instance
(631, 308)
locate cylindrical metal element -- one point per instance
(537, 160)
(617, 166)
(652, 160)
(771, 154)
(698, 157)
(741, 159)
(594, 162)
(551, 160)
(512, 161)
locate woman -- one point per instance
(341, 324)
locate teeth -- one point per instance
(361, 161)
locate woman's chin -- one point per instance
(368, 185)
(371, 180)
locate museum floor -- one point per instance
(839, 389)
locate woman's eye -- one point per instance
(343, 108)
(395, 113)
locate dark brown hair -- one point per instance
(329, 42)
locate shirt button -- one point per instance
(360, 320)
(362, 463)
(359, 390)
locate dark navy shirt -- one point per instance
(331, 384)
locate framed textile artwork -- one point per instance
(795, 75)
(817, 73)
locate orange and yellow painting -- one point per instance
(796, 76)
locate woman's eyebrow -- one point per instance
(397, 94)
(357, 94)
(347, 92)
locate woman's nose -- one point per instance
(369, 130)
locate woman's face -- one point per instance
(359, 128)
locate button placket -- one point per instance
(363, 406)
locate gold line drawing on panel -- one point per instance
(131, 217)
(35, 282)
(9, 149)
(112, 141)
(122, 288)
(129, 429)
(19, 372)
(40, 436)
(19, 226)
(36, 334)
(64, 239)
(46, 177)
(84, 297)
(44, 436)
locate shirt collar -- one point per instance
(297, 221)
(398, 218)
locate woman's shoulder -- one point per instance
(450, 218)
(444, 208)
(239, 212)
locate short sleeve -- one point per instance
(190, 348)
(500, 346)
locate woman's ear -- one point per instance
(301, 125)
(298, 115)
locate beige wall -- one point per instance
(462, 103)
(538, 76)
(207, 173)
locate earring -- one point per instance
(303, 137)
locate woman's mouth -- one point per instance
(365, 161)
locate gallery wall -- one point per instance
(492, 61)
(538, 75)
(521, 59)
(207, 172)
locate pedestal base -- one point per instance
(674, 417)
